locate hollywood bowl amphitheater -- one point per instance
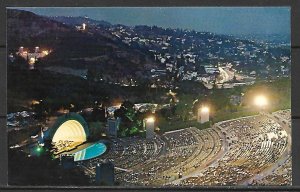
(253, 150)
(69, 137)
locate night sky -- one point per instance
(225, 20)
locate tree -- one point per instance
(120, 113)
(131, 121)
(98, 114)
(166, 112)
(96, 128)
(184, 107)
(182, 110)
(41, 170)
(127, 104)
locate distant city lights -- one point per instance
(31, 61)
(172, 93)
(38, 53)
(35, 102)
(45, 52)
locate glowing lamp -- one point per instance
(204, 109)
(260, 101)
(38, 149)
(203, 114)
(150, 119)
(149, 125)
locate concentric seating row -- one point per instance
(232, 152)
(255, 143)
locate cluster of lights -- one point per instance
(45, 52)
(36, 49)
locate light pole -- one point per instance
(149, 124)
(203, 114)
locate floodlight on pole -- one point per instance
(150, 119)
(260, 101)
(203, 114)
(149, 125)
(204, 109)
